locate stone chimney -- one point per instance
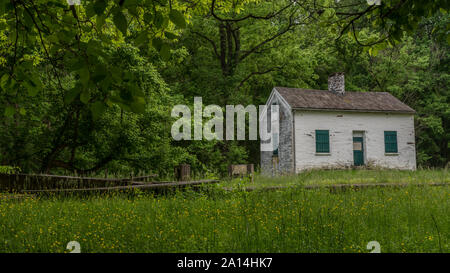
(336, 83)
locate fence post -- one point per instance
(183, 172)
(250, 171)
(241, 170)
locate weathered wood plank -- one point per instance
(167, 184)
(47, 181)
(143, 177)
(182, 172)
(236, 170)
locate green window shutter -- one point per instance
(322, 141)
(390, 142)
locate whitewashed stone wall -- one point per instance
(285, 149)
(341, 126)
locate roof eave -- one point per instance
(355, 110)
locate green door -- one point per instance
(358, 151)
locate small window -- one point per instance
(275, 131)
(322, 141)
(275, 143)
(390, 142)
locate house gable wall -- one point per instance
(285, 148)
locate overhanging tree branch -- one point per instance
(241, 83)
(265, 17)
(209, 40)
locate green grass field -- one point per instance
(332, 177)
(410, 219)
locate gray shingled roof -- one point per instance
(299, 98)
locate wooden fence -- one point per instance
(20, 182)
(148, 186)
(34, 183)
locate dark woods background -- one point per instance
(91, 87)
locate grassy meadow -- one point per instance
(210, 219)
(354, 176)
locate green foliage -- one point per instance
(177, 18)
(97, 135)
(388, 21)
(75, 40)
(9, 170)
(120, 21)
(90, 87)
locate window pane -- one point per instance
(322, 141)
(390, 141)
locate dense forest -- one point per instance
(90, 86)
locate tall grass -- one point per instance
(356, 176)
(290, 220)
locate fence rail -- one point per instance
(20, 182)
(35, 183)
(160, 185)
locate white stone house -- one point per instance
(337, 129)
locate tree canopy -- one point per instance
(90, 87)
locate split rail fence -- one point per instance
(34, 183)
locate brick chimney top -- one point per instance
(336, 83)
